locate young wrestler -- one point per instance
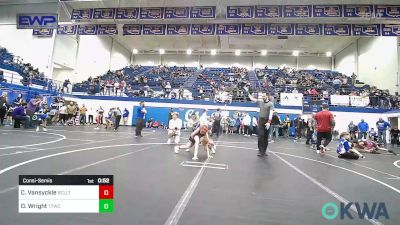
(194, 140)
(345, 149)
(366, 146)
(99, 117)
(109, 119)
(42, 117)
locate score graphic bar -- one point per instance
(66, 194)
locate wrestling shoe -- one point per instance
(176, 149)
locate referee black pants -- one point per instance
(139, 126)
(263, 134)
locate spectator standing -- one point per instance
(382, 128)
(394, 136)
(363, 128)
(298, 123)
(117, 115)
(140, 118)
(310, 129)
(352, 128)
(83, 111)
(91, 114)
(125, 116)
(324, 125)
(71, 111)
(3, 108)
(255, 125)
(63, 115)
(275, 123)
(246, 124)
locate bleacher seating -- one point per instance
(210, 82)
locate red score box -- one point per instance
(106, 192)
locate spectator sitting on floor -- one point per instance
(149, 123)
(155, 124)
(19, 113)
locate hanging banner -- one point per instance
(327, 10)
(177, 12)
(228, 29)
(359, 101)
(240, 12)
(152, 13)
(132, 29)
(358, 10)
(178, 29)
(202, 12)
(342, 100)
(42, 32)
(366, 29)
(254, 29)
(308, 29)
(387, 11)
(202, 29)
(337, 29)
(268, 11)
(107, 29)
(291, 99)
(127, 13)
(104, 13)
(82, 14)
(66, 30)
(280, 29)
(153, 29)
(313, 105)
(89, 29)
(297, 10)
(390, 29)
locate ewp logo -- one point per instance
(331, 211)
(29, 21)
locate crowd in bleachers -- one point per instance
(320, 84)
(30, 74)
(222, 84)
(136, 80)
(214, 84)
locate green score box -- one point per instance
(106, 205)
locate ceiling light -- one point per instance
(213, 52)
(264, 52)
(189, 51)
(296, 53)
(237, 52)
(135, 51)
(162, 51)
(328, 54)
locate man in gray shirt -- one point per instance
(264, 122)
(117, 114)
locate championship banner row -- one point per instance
(241, 12)
(318, 11)
(233, 29)
(149, 13)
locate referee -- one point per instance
(264, 122)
